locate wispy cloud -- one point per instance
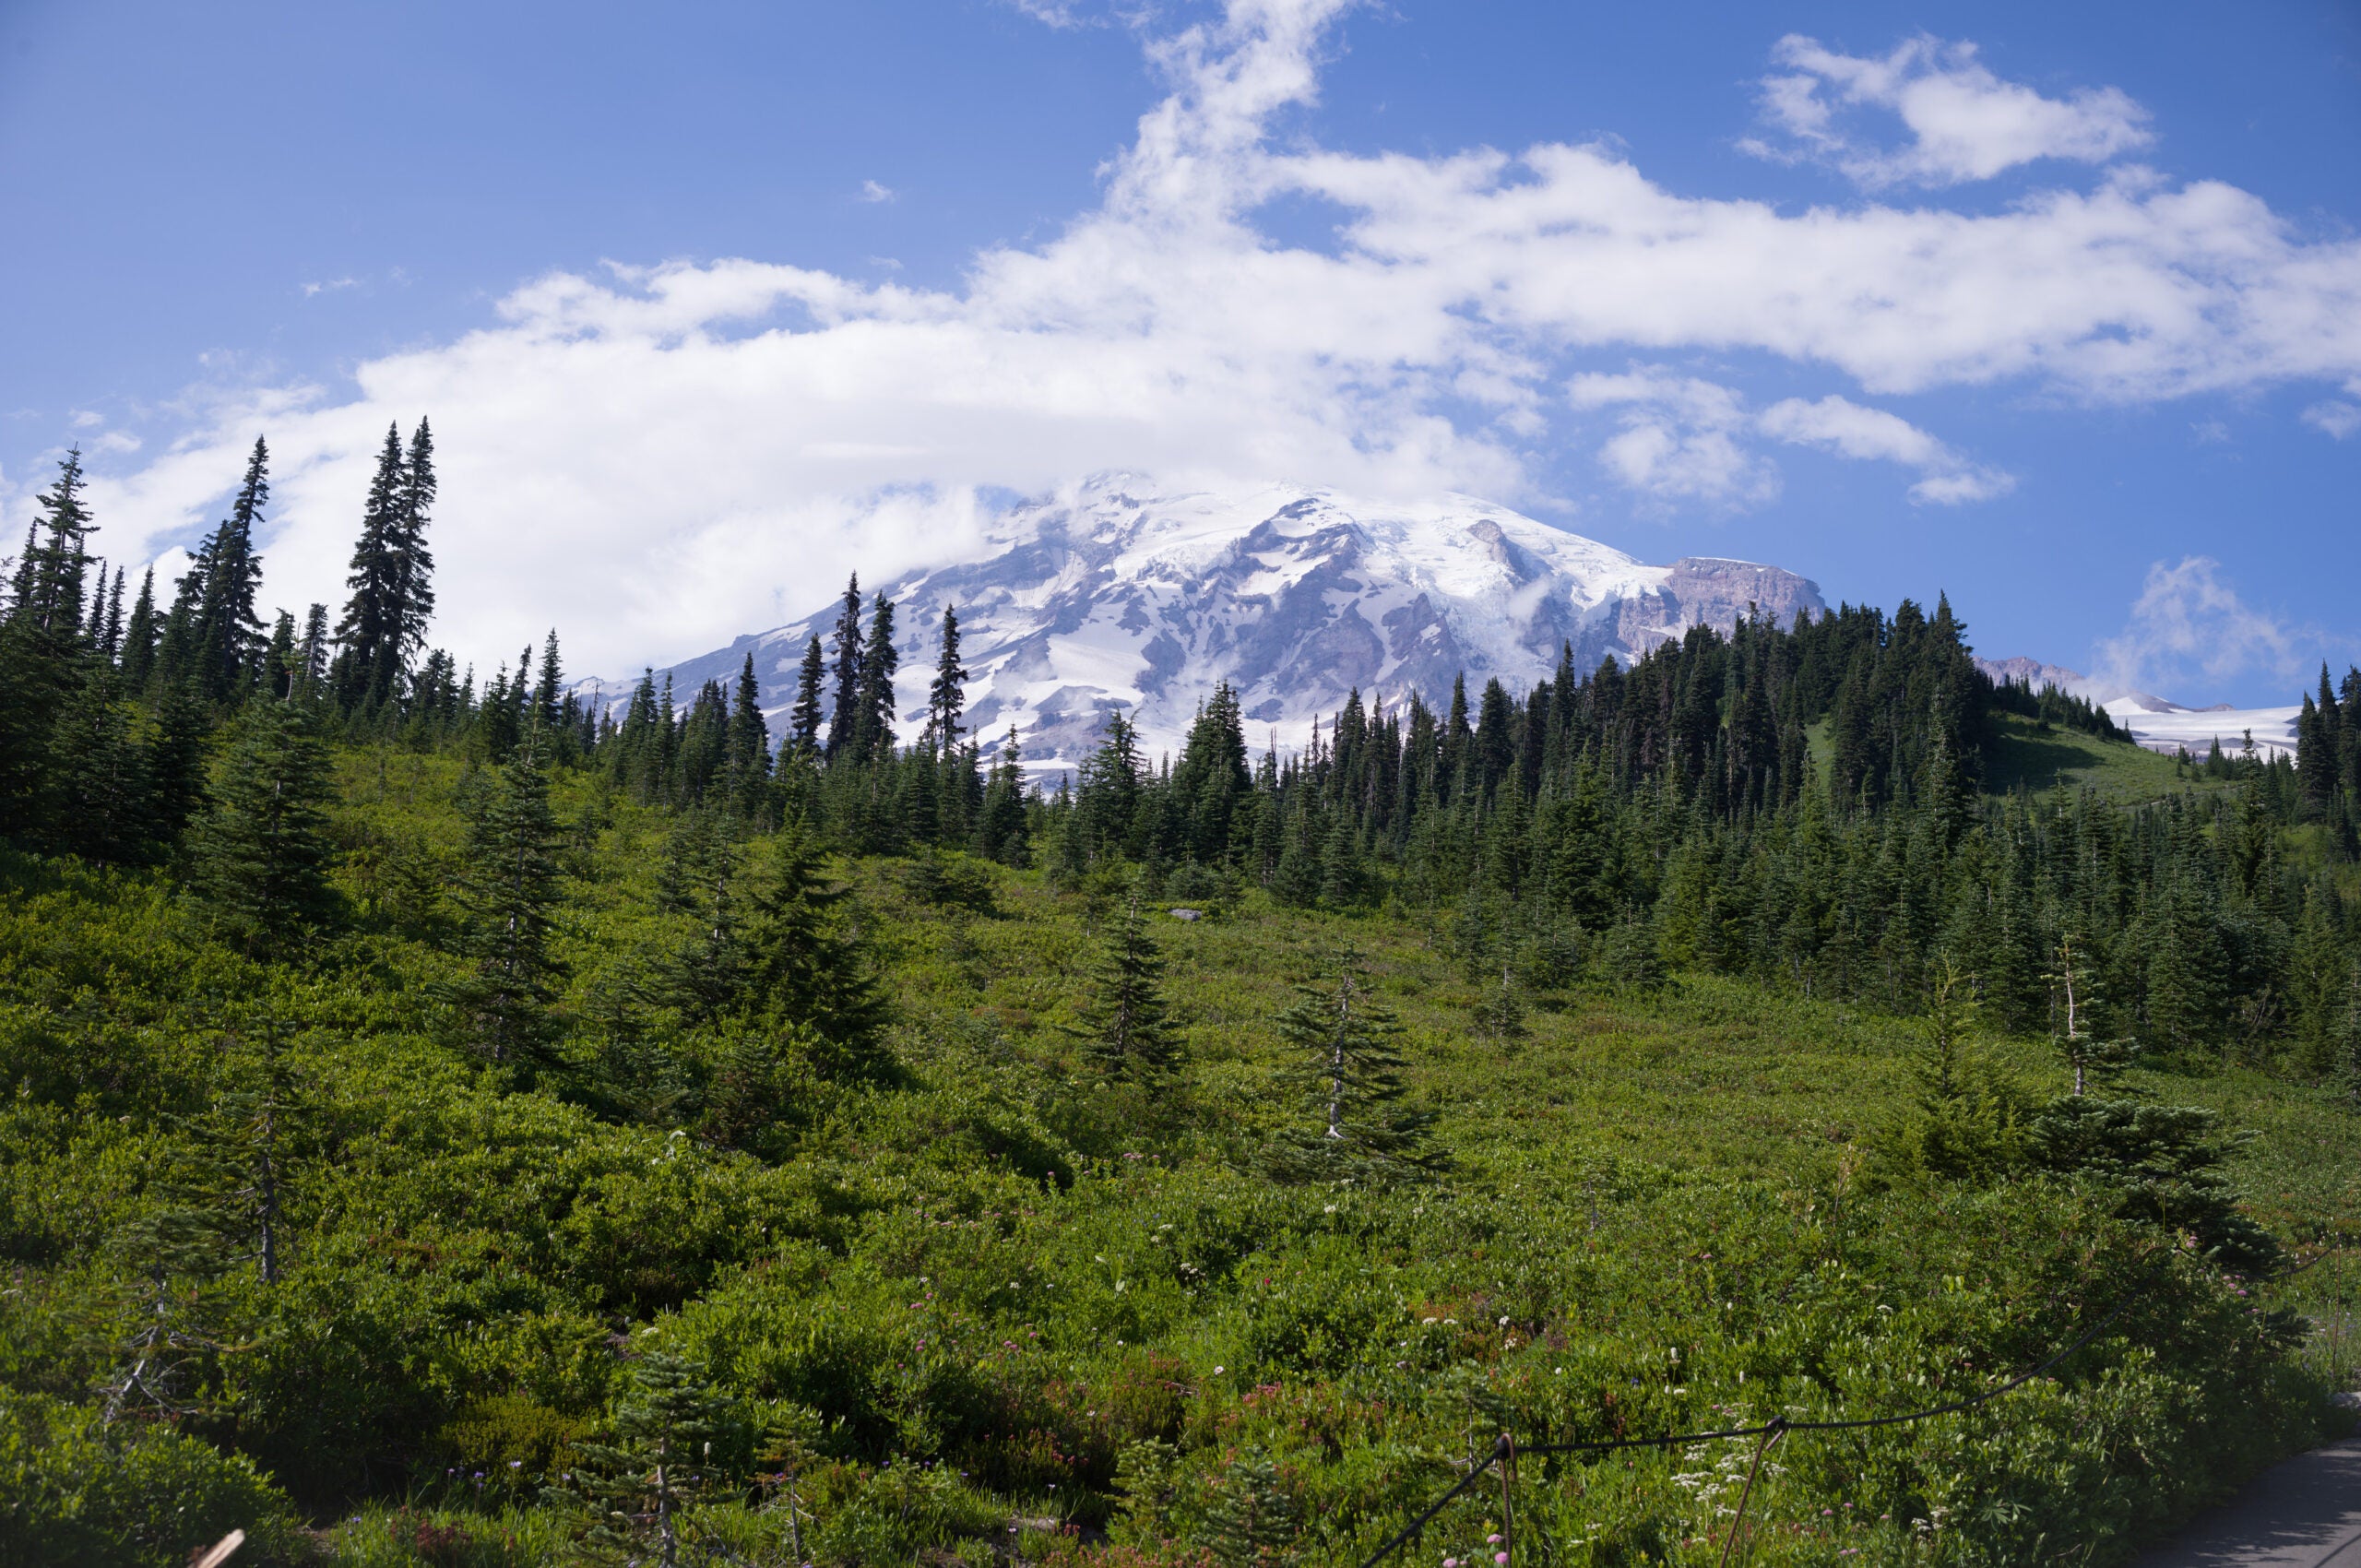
(1839, 425)
(332, 286)
(2188, 622)
(648, 456)
(1682, 439)
(2336, 418)
(1962, 122)
(1685, 439)
(871, 191)
(1051, 13)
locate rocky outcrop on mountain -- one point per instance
(1122, 594)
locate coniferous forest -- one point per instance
(449, 1121)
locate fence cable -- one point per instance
(1505, 1451)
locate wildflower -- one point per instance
(1499, 1557)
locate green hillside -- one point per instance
(981, 1297)
(450, 1122)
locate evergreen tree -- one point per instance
(1348, 1069)
(311, 653)
(750, 745)
(548, 709)
(845, 717)
(393, 596)
(873, 724)
(946, 698)
(110, 635)
(50, 592)
(239, 1150)
(139, 636)
(1125, 1029)
(175, 763)
(225, 633)
(172, 1324)
(41, 645)
(1003, 833)
(1252, 1520)
(1500, 1015)
(699, 884)
(280, 674)
(260, 852)
(803, 720)
(413, 604)
(803, 971)
(509, 895)
(2086, 1056)
(368, 635)
(98, 775)
(656, 1460)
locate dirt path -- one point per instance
(2304, 1513)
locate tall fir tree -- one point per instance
(385, 621)
(226, 633)
(549, 708)
(946, 697)
(844, 720)
(750, 745)
(311, 653)
(364, 671)
(804, 719)
(414, 562)
(42, 647)
(1002, 832)
(139, 658)
(880, 661)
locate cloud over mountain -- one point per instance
(646, 456)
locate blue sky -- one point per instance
(2057, 309)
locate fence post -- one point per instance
(1771, 1434)
(1506, 1450)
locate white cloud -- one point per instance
(1682, 439)
(871, 191)
(1963, 121)
(1840, 425)
(331, 286)
(2337, 418)
(656, 458)
(2189, 620)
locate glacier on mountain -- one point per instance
(1120, 593)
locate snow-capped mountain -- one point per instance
(1119, 593)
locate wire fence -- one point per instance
(1506, 1450)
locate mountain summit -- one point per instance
(1120, 593)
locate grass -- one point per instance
(2030, 756)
